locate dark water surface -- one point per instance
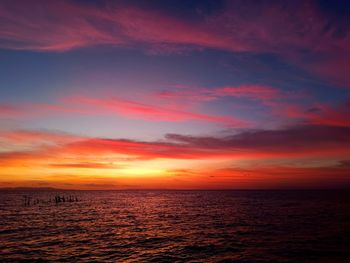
(177, 226)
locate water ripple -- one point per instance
(177, 226)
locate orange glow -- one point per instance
(35, 158)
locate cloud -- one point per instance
(54, 26)
(65, 25)
(267, 26)
(266, 176)
(137, 110)
(84, 165)
(30, 148)
(249, 91)
(8, 111)
(279, 177)
(118, 106)
(299, 141)
(293, 141)
(300, 32)
(319, 114)
(27, 136)
(29, 110)
(86, 157)
(344, 164)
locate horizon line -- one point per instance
(174, 189)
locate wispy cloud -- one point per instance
(318, 113)
(299, 32)
(117, 106)
(84, 165)
(248, 91)
(9, 111)
(134, 109)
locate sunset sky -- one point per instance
(174, 94)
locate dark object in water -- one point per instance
(63, 199)
(27, 200)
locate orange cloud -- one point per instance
(84, 165)
(27, 136)
(283, 177)
(42, 154)
(285, 143)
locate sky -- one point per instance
(164, 94)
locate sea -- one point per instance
(175, 226)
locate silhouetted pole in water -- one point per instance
(27, 200)
(58, 199)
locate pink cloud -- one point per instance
(30, 110)
(300, 33)
(54, 26)
(27, 136)
(154, 27)
(7, 111)
(319, 114)
(65, 25)
(258, 92)
(133, 109)
(118, 106)
(335, 67)
(249, 91)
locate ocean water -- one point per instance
(176, 226)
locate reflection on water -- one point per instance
(177, 226)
